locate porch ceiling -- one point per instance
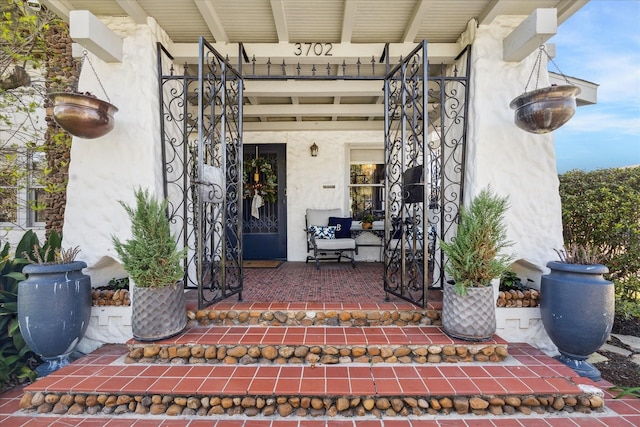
(277, 30)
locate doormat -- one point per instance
(262, 263)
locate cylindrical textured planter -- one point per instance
(577, 309)
(158, 313)
(470, 317)
(54, 308)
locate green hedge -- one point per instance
(602, 208)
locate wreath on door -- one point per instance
(258, 178)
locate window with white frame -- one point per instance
(366, 182)
(21, 191)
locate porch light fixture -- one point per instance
(314, 150)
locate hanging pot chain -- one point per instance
(538, 63)
(85, 57)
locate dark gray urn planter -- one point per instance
(577, 309)
(470, 317)
(54, 308)
(158, 313)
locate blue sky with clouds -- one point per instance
(601, 43)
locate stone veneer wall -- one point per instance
(62, 76)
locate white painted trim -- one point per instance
(88, 31)
(349, 52)
(359, 125)
(134, 10)
(348, 19)
(415, 22)
(314, 110)
(277, 10)
(211, 17)
(303, 88)
(59, 7)
(539, 27)
(588, 90)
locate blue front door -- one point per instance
(265, 224)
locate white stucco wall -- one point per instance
(516, 163)
(106, 170)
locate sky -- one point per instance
(601, 44)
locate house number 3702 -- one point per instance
(317, 49)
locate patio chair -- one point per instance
(329, 242)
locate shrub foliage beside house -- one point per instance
(602, 209)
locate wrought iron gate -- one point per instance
(202, 153)
(425, 137)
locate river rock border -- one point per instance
(315, 317)
(301, 354)
(306, 406)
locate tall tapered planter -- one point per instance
(470, 317)
(158, 313)
(577, 309)
(54, 307)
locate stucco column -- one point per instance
(516, 163)
(106, 170)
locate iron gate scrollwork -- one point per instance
(425, 135)
(201, 126)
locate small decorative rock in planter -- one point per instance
(54, 307)
(513, 293)
(577, 308)
(82, 115)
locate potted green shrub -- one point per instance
(367, 220)
(474, 259)
(53, 301)
(577, 306)
(154, 264)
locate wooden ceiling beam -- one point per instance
(415, 22)
(134, 10)
(214, 23)
(280, 20)
(348, 20)
(313, 110)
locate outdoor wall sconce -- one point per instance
(314, 150)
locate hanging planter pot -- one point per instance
(546, 109)
(82, 115)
